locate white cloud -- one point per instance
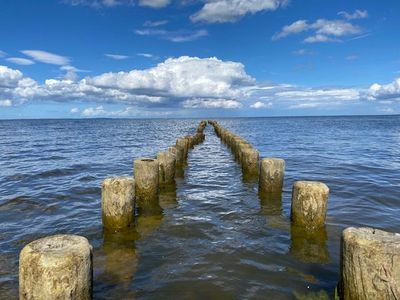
(319, 38)
(389, 91)
(222, 11)
(117, 56)
(259, 104)
(154, 3)
(174, 36)
(306, 105)
(295, 27)
(146, 55)
(94, 111)
(320, 94)
(302, 52)
(212, 103)
(74, 110)
(47, 57)
(71, 72)
(9, 77)
(155, 23)
(20, 61)
(2, 54)
(357, 14)
(99, 3)
(168, 84)
(182, 77)
(324, 30)
(5, 103)
(335, 27)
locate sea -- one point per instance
(216, 238)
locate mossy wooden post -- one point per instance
(178, 156)
(182, 146)
(146, 173)
(272, 173)
(189, 141)
(56, 267)
(309, 203)
(166, 162)
(370, 264)
(250, 159)
(118, 202)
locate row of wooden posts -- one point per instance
(370, 258)
(60, 266)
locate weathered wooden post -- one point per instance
(370, 264)
(118, 202)
(56, 267)
(182, 146)
(309, 203)
(178, 156)
(146, 175)
(166, 161)
(272, 172)
(249, 159)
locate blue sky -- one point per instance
(188, 58)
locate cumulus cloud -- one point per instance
(20, 61)
(74, 110)
(222, 11)
(357, 14)
(154, 3)
(5, 102)
(259, 104)
(170, 83)
(117, 56)
(47, 57)
(324, 30)
(389, 91)
(174, 36)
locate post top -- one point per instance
(273, 159)
(115, 179)
(368, 235)
(59, 244)
(311, 184)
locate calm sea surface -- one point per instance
(216, 239)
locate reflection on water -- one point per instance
(308, 245)
(216, 238)
(115, 264)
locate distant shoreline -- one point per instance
(197, 118)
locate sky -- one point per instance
(198, 58)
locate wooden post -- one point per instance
(272, 172)
(167, 162)
(370, 264)
(56, 267)
(118, 202)
(146, 175)
(309, 203)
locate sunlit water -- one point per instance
(216, 239)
